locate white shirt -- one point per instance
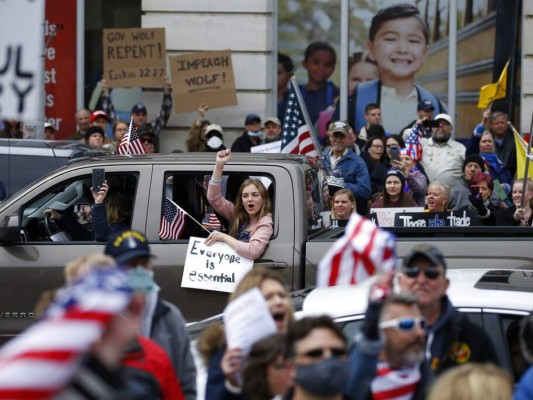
(443, 163)
(396, 113)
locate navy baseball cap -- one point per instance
(145, 129)
(252, 118)
(125, 245)
(425, 105)
(139, 108)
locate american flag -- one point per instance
(172, 221)
(130, 143)
(297, 137)
(39, 363)
(363, 251)
(211, 221)
(412, 142)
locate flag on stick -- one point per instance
(521, 154)
(130, 143)
(172, 221)
(494, 91)
(297, 136)
(363, 251)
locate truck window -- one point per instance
(186, 209)
(72, 200)
(317, 198)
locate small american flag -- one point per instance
(211, 221)
(172, 221)
(412, 142)
(363, 251)
(39, 363)
(297, 137)
(130, 143)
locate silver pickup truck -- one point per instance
(31, 262)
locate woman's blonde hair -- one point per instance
(473, 381)
(82, 265)
(240, 216)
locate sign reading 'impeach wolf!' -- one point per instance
(204, 77)
(134, 57)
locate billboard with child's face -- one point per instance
(405, 50)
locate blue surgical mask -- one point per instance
(142, 279)
(258, 134)
(324, 378)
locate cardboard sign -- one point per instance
(21, 55)
(386, 215)
(247, 319)
(216, 267)
(204, 77)
(135, 57)
(273, 147)
(437, 219)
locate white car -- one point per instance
(494, 299)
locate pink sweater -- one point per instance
(260, 233)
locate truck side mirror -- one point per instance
(10, 232)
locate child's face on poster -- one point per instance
(320, 65)
(399, 48)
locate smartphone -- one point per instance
(430, 123)
(474, 191)
(394, 154)
(98, 179)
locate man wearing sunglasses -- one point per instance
(318, 348)
(451, 339)
(146, 136)
(388, 359)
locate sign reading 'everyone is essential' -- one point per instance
(204, 77)
(134, 57)
(216, 267)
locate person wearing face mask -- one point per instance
(214, 136)
(319, 359)
(387, 361)
(161, 321)
(252, 135)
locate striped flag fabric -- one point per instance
(412, 142)
(211, 221)
(39, 363)
(297, 137)
(131, 143)
(172, 221)
(363, 251)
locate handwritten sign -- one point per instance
(204, 77)
(134, 57)
(437, 219)
(386, 215)
(216, 267)
(21, 55)
(273, 147)
(247, 320)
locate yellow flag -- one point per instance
(521, 151)
(493, 91)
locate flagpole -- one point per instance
(528, 154)
(191, 217)
(306, 115)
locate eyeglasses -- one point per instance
(318, 353)
(429, 272)
(147, 140)
(376, 146)
(406, 324)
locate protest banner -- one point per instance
(386, 215)
(437, 219)
(134, 57)
(247, 319)
(203, 77)
(21, 52)
(216, 267)
(273, 147)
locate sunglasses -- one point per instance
(406, 324)
(147, 140)
(429, 272)
(318, 353)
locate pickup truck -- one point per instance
(31, 262)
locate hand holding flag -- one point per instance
(131, 143)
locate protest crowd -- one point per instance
(106, 334)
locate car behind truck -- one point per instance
(31, 262)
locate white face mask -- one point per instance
(214, 142)
(258, 134)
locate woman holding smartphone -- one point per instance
(481, 187)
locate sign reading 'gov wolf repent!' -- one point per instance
(134, 57)
(204, 77)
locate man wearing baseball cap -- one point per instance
(252, 135)
(272, 129)
(214, 136)
(99, 118)
(424, 110)
(451, 338)
(441, 156)
(162, 321)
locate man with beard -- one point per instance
(387, 361)
(451, 338)
(441, 156)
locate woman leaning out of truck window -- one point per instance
(250, 217)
